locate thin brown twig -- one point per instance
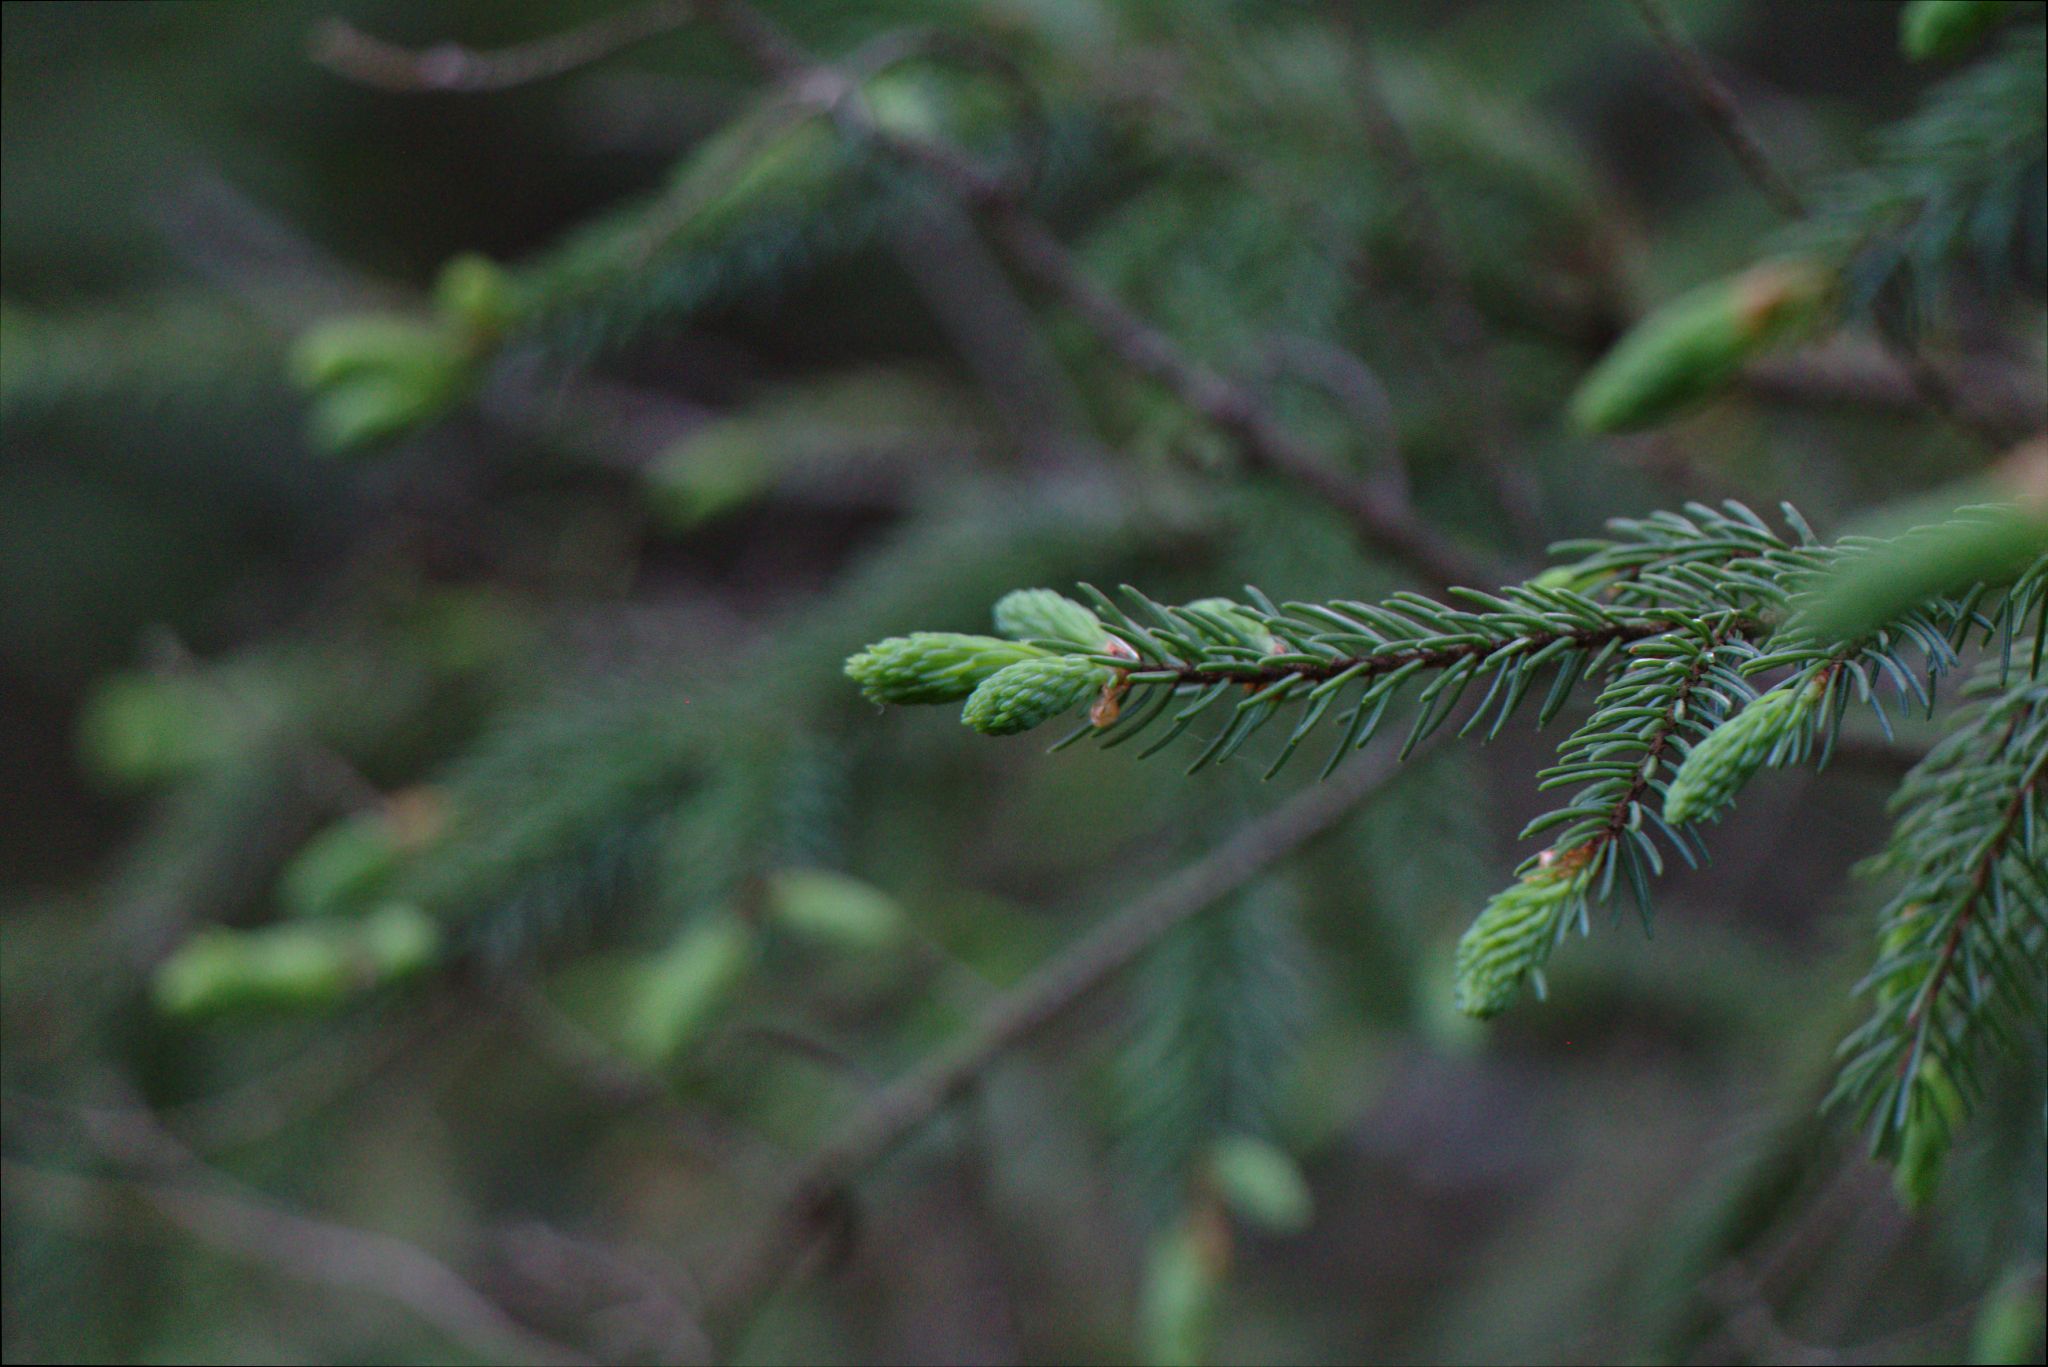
(1383, 521)
(1345, 378)
(348, 51)
(1987, 392)
(204, 1202)
(900, 1109)
(1718, 105)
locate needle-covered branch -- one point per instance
(1679, 618)
(1961, 943)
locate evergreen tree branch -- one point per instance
(1981, 867)
(347, 51)
(901, 1109)
(1959, 966)
(1383, 520)
(208, 1205)
(1675, 689)
(2000, 105)
(1719, 107)
(1660, 575)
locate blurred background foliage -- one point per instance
(446, 888)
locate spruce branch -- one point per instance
(1954, 186)
(152, 1164)
(1380, 513)
(347, 51)
(1677, 614)
(1675, 689)
(1382, 518)
(1347, 662)
(1719, 107)
(899, 1110)
(1960, 969)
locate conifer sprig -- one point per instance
(1680, 616)
(1346, 662)
(1960, 968)
(1675, 689)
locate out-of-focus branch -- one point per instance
(1447, 284)
(1382, 520)
(1989, 392)
(1718, 105)
(163, 1173)
(348, 51)
(900, 1109)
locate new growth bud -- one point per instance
(1694, 345)
(375, 378)
(1230, 620)
(1042, 615)
(296, 966)
(1514, 935)
(932, 666)
(1029, 694)
(1762, 733)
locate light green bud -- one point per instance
(1693, 346)
(1732, 752)
(1042, 615)
(932, 666)
(1931, 1120)
(376, 343)
(1177, 1297)
(340, 866)
(399, 940)
(1029, 694)
(1261, 1182)
(474, 291)
(673, 997)
(835, 909)
(138, 729)
(200, 973)
(1513, 936)
(377, 377)
(2009, 1321)
(1930, 29)
(1860, 593)
(294, 967)
(1571, 578)
(370, 410)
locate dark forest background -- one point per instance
(513, 695)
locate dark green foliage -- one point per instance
(488, 853)
(1676, 615)
(1961, 942)
(1954, 191)
(1217, 1017)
